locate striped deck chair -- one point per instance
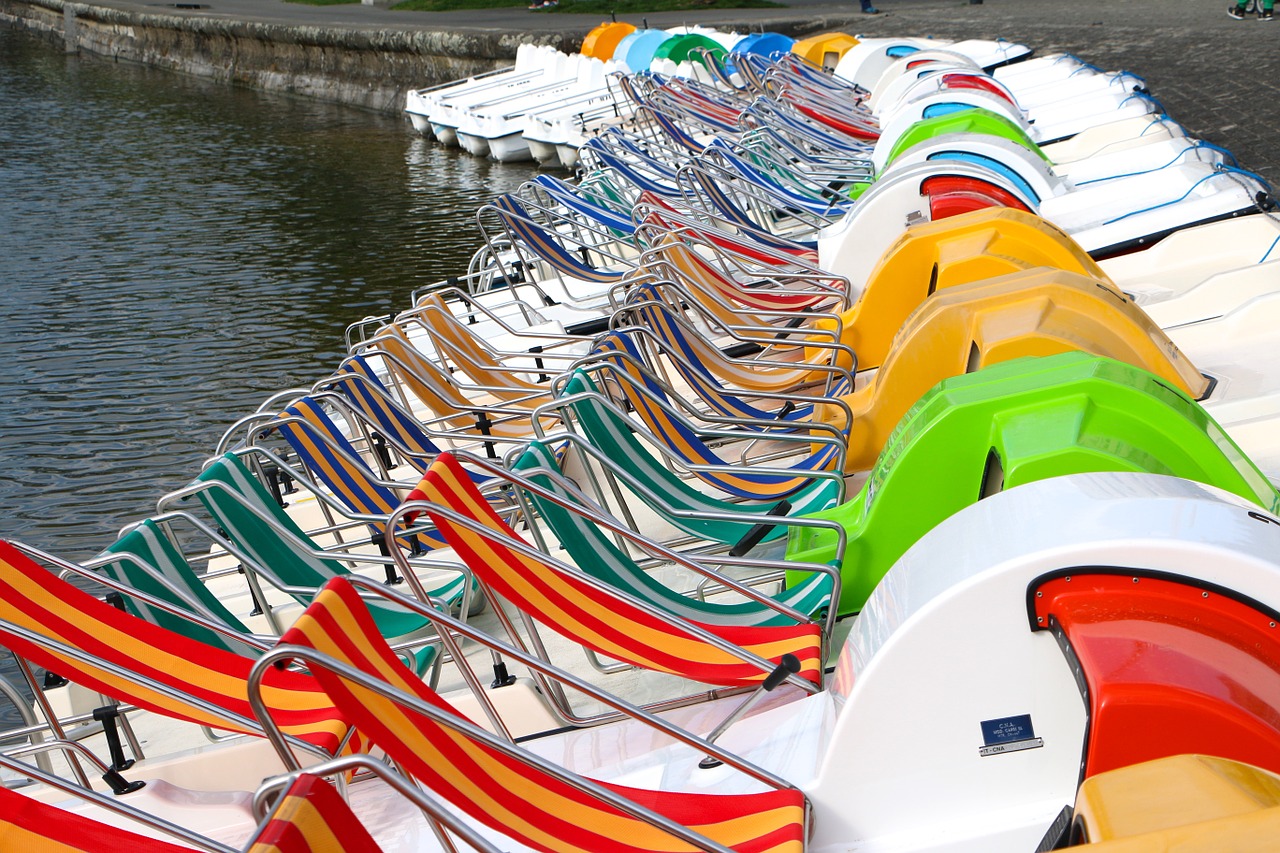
(144, 556)
(356, 380)
(612, 434)
(327, 453)
(435, 389)
(702, 367)
(549, 246)
(659, 417)
(460, 345)
(500, 785)
(584, 202)
(310, 817)
(741, 239)
(604, 619)
(776, 375)
(64, 629)
(699, 271)
(597, 555)
(257, 525)
(720, 403)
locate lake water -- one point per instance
(172, 251)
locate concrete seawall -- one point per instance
(370, 68)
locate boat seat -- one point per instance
(596, 554)
(1187, 803)
(665, 423)
(615, 437)
(502, 786)
(1167, 665)
(144, 556)
(309, 816)
(602, 618)
(62, 628)
(260, 528)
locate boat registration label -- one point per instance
(1008, 734)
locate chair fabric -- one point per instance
(689, 446)
(615, 438)
(596, 554)
(309, 817)
(30, 824)
(161, 671)
(312, 817)
(240, 505)
(610, 623)
(148, 545)
(503, 791)
(356, 380)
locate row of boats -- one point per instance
(873, 448)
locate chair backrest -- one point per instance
(616, 439)
(460, 345)
(660, 420)
(423, 378)
(30, 824)
(701, 365)
(309, 817)
(597, 555)
(148, 545)
(312, 817)
(333, 459)
(770, 375)
(499, 787)
(547, 245)
(356, 380)
(135, 661)
(604, 619)
(242, 507)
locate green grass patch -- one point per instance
(580, 7)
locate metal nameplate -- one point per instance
(1014, 746)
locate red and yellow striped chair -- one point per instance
(501, 785)
(64, 629)
(310, 817)
(608, 621)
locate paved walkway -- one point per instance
(1216, 75)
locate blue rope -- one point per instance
(1176, 158)
(1216, 172)
(1270, 249)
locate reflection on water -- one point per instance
(173, 252)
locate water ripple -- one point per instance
(174, 252)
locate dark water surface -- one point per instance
(171, 252)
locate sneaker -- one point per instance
(1236, 12)
(871, 10)
(1264, 16)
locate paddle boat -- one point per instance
(1107, 592)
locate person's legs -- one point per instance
(868, 8)
(1237, 11)
(1267, 6)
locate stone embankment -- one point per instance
(362, 66)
